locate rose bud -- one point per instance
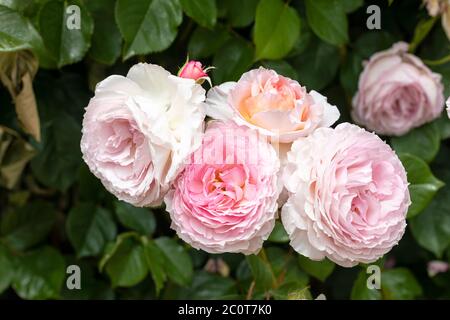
(435, 267)
(194, 70)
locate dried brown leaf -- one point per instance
(17, 70)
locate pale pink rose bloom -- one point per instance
(397, 93)
(276, 106)
(435, 267)
(225, 200)
(348, 196)
(139, 129)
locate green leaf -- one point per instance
(364, 47)
(18, 5)
(276, 258)
(443, 125)
(360, 291)
(128, 265)
(351, 5)
(294, 274)
(262, 272)
(231, 60)
(16, 31)
(328, 20)
(205, 42)
(63, 45)
(371, 42)
(299, 294)
(431, 228)
(318, 269)
(178, 263)
(27, 226)
(281, 67)
(156, 264)
(322, 65)
(350, 71)
(39, 274)
(6, 269)
(111, 247)
(89, 228)
(141, 220)
(277, 28)
(423, 185)
(60, 147)
(400, 284)
(147, 25)
(278, 234)
(240, 13)
(90, 189)
(207, 286)
(422, 142)
(204, 12)
(106, 39)
(304, 40)
(291, 280)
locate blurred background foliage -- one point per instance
(55, 213)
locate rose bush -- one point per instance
(112, 189)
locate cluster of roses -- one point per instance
(343, 192)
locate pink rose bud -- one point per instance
(194, 70)
(434, 267)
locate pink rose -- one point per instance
(194, 70)
(135, 132)
(225, 199)
(348, 196)
(397, 92)
(274, 105)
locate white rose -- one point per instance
(139, 129)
